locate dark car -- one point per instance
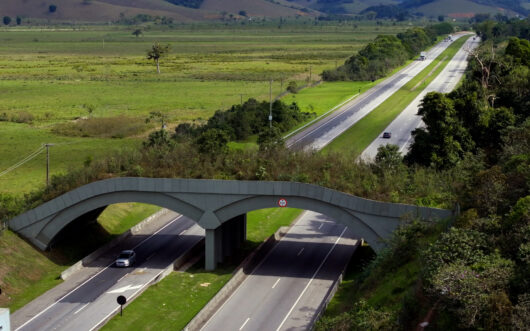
(126, 258)
(387, 135)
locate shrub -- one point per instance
(476, 293)
(361, 317)
(52, 8)
(466, 246)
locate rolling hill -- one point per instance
(109, 10)
(460, 8)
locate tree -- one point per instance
(52, 8)
(156, 53)
(137, 33)
(388, 157)
(212, 142)
(270, 140)
(242, 13)
(7, 20)
(292, 87)
(19, 20)
(156, 115)
(441, 18)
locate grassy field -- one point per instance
(172, 303)
(48, 77)
(360, 135)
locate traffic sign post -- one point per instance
(121, 301)
(282, 203)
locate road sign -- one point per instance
(121, 301)
(282, 203)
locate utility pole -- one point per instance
(48, 163)
(270, 104)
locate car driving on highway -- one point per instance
(126, 258)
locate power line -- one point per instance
(23, 161)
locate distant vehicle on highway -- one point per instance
(126, 258)
(423, 56)
(387, 135)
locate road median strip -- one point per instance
(361, 134)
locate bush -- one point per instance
(52, 8)
(466, 246)
(476, 293)
(361, 317)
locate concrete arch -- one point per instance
(213, 203)
(66, 216)
(359, 227)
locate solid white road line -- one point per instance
(300, 251)
(242, 326)
(311, 280)
(77, 311)
(86, 281)
(276, 283)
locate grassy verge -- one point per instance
(172, 303)
(25, 272)
(360, 135)
(120, 217)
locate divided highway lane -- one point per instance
(408, 120)
(285, 290)
(88, 305)
(318, 135)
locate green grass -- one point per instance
(322, 98)
(19, 140)
(53, 75)
(120, 217)
(360, 135)
(173, 302)
(25, 273)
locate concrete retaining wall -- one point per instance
(97, 253)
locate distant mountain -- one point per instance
(178, 10)
(196, 10)
(455, 8)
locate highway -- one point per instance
(282, 293)
(285, 290)
(403, 125)
(92, 302)
(318, 135)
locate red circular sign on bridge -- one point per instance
(282, 203)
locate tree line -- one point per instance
(472, 273)
(385, 53)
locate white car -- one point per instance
(126, 258)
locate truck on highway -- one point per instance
(423, 56)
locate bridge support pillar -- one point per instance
(224, 240)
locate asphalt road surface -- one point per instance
(285, 290)
(408, 120)
(88, 305)
(318, 135)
